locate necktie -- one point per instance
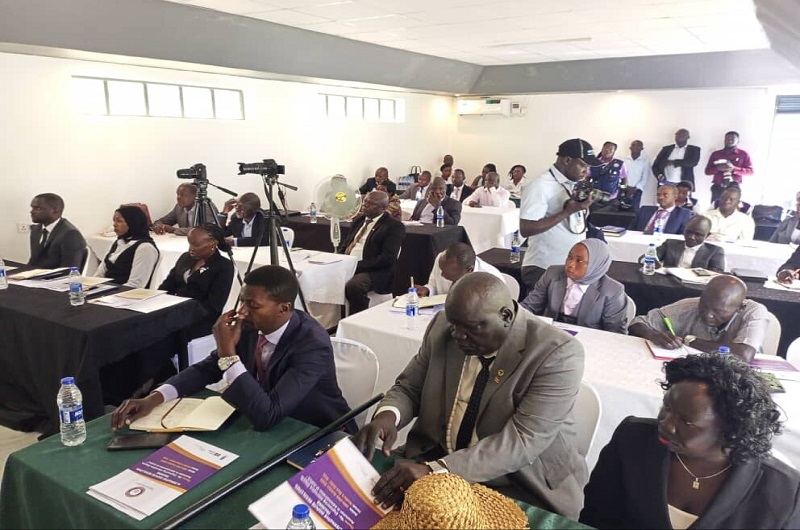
(456, 193)
(657, 217)
(358, 237)
(471, 414)
(261, 369)
(43, 240)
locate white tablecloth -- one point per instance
(487, 227)
(620, 367)
(319, 283)
(758, 255)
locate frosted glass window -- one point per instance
(400, 110)
(371, 111)
(355, 108)
(197, 102)
(387, 110)
(164, 100)
(126, 98)
(228, 104)
(336, 107)
(89, 96)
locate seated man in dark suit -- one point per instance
(55, 242)
(277, 361)
(790, 271)
(243, 229)
(381, 178)
(183, 213)
(458, 190)
(672, 218)
(425, 211)
(375, 238)
(693, 251)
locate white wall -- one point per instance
(96, 162)
(620, 117)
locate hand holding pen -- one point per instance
(671, 341)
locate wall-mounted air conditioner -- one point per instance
(483, 107)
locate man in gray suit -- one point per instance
(492, 389)
(183, 213)
(55, 242)
(693, 251)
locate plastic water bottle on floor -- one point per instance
(70, 413)
(650, 258)
(76, 296)
(439, 216)
(3, 278)
(301, 518)
(312, 212)
(412, 308)
(516, 243)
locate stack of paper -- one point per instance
(141, 300)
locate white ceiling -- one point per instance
(493, 32)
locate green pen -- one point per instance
(668, 323)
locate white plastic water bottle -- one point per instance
(3, 278)
(76, 296)
(439, 216)
(301, 518)
(412, 308)
(516, 242)
(312, 212)
(658, 231)
(70, 413)
(650, 258)
(419, 195)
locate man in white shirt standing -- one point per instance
(640, 176)
(676, 162)
(450, 265)
(491, 194)
(727, 222)
(549, 216)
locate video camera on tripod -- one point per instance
(196, 172)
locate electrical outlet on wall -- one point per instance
(23, 227)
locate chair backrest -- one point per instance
(773, 336)
(630, 311)
(288, 235)
(793, 353)
(200, 348)
(587, 412)
(512, 284)
(84, 268)
(142, 206)
(356, 372)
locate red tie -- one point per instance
(657, 217)
(261, 370)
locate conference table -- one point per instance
(44, 485)
(620, 367)
(44, 339)
(650, 292)
(420, 247)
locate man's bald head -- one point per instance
(481, 312)
(697, 230)
(722, 297)
(375, 203)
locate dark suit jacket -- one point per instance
(65, 247)
(466, 191)
(370, 185)
(234, 226)
(451, 207)
(783, 233)
(676, 223)
(708, 256)
(628, 487)
(380, 250)
(794, 261)
(690, 159)
(300, 378)
(210, 285)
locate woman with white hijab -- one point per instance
(579, 292)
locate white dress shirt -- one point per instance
(426, 215)
(491, 196)
(49, 229)
(359, 248)
(737, 226)
(456, 193)
(665, 219)
(673, 173)
(144, 262)
(640, 171)
(438, 284)
(573, 296)
(688, 255)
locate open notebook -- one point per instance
(186, 414)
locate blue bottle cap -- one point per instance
(68, 381)
(412, 290)
(300, 511)
(723, 350)
(73, 269)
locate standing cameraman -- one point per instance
(550, 217)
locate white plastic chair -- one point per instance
(288, 235)
(773, 336)
(512, 284)
(200, 348)
(630, 311)
(793, 353)
(356, 372)
(587, 412)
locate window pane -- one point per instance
(355, 108)
(400, 110)
(387, 110)
(126, 98)
(89, 96)
(371, 112)
(164, 100)
(197, 102)
(336, 107)
(228, 104)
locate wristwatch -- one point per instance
(226, 362)
(688, 339)
(437, 467)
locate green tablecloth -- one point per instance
(44, 485)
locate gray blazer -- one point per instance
(450, 207)
(527, 443)
(708, 256)
(783, 234)
(65, 247)
(411, 192)
(604, 305)
(179, 216)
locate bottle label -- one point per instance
(649, 260)
(76, 287)
(2, 272)
(71, 414)
(515, 249)
(412, 310)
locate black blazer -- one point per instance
(465, 192)
(379, 257)
(708, 256)
(690, 159)
(65, 247)
(628, 487)
(676, 223)
(234, 225)
(370, 185)
(210, 285)
(794, 261)
(451, 207)
(300, 378)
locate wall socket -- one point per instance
(23, 228)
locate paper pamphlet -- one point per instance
(336, 487)
(33, 273)
(186, 414)
(773, 283)
(424, 301)
(161, 477)
(146, 305)
(140, 294)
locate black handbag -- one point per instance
(763, 212)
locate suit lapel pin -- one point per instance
(498, 376)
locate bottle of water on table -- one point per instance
(516, 243)
(312, 212)
(658, 231)
(3, 278)
(650, 258)
(70, 413)
(412, 308)
(301, 518)
(76, 296)
(439, 216)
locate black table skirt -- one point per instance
(43, 338)
(420, 247)
(650, 292)
(610, 215)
